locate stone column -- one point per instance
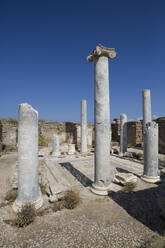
(146, 108)
(28, 186)
(71, 149)
(84, 147)
(55, 145)
(102, 177)
(123, 134)
(151, 153)
(146, 95)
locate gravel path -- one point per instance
(115, 221)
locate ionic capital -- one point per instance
(101, 51)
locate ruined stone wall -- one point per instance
(115, 130)
(90, 135)
(8, 131)
(48, 128)
(161, 125)
(134, 132)
(69, 132)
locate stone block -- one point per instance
(124, 178)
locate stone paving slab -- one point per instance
(77, 172)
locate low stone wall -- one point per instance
(8, 131)
(70, 132)
(134, 132)
(161, 126)
(115, 127)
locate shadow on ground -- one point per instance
(121, 170)
(143, 206)
(84, 180)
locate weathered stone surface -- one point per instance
(146, 108)
(123, 134)
(8, 133)
(124, 178)
(71, 149)
(28, 186)
(64, 148)
(57, 196)
(102, 179)
(55, 148)
(45, 151)
(146, 117)
(151, 153)
(101, 51)
(84, 147)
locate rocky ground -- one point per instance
(118, 220)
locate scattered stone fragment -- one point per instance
(45, 151)
(124, 178)
(71, 149)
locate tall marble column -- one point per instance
(102, 179)
(28, 186)
(55, 151)
(151, 153)
(84, 147)
(123, 134)
(147, 117)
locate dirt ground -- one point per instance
(119, 220)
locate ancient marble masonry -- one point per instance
(28, 186)
(123, 134)
(102, 178)
(84, 147)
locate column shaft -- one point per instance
(146, 108)
(151, 153)
(28, 187)
(102, 123)
(55, 145)
(84, 148)
(123, 134)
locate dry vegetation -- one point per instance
(25, 217)
(129, 187)
(70, 200)
(11, 196)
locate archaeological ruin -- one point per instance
(108, 165)
(28, 183)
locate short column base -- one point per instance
(84, 152)
(17, 206)
(121, 154)
(150, 179)
(99, 190)
(56, 154)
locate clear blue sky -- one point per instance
(43, 50)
